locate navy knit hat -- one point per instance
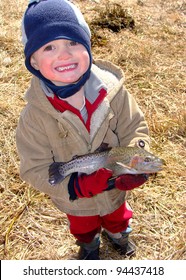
(49, 20)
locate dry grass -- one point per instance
(152, 56)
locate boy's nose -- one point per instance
(64, 53)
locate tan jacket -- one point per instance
(44, 134)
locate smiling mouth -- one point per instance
(66, 68)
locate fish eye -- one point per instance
(148, 159)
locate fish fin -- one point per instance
(126, 169)
(75, 157)
(103, 147)
(54, 175)
(123, 165)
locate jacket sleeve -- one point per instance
(36, 155)
(131, 125)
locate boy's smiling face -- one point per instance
(61, 61)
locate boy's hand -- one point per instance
(88, 185)
(127, 182)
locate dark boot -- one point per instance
(123, 245)
(89, 251)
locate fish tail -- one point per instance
(55, 176)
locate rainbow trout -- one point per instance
(121, 160)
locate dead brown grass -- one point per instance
(152, 56)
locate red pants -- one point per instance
(84, 228)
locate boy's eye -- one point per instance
(73, 43)
(48, 48)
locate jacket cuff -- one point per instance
(71, 189)
(111, 184)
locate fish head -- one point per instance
(146, 163)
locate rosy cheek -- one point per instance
(44, 72)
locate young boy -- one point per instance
(73, 106)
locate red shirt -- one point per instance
(62, 105)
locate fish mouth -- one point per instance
(150, 167)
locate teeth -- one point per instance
(66, 67)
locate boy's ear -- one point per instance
(34, 63)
